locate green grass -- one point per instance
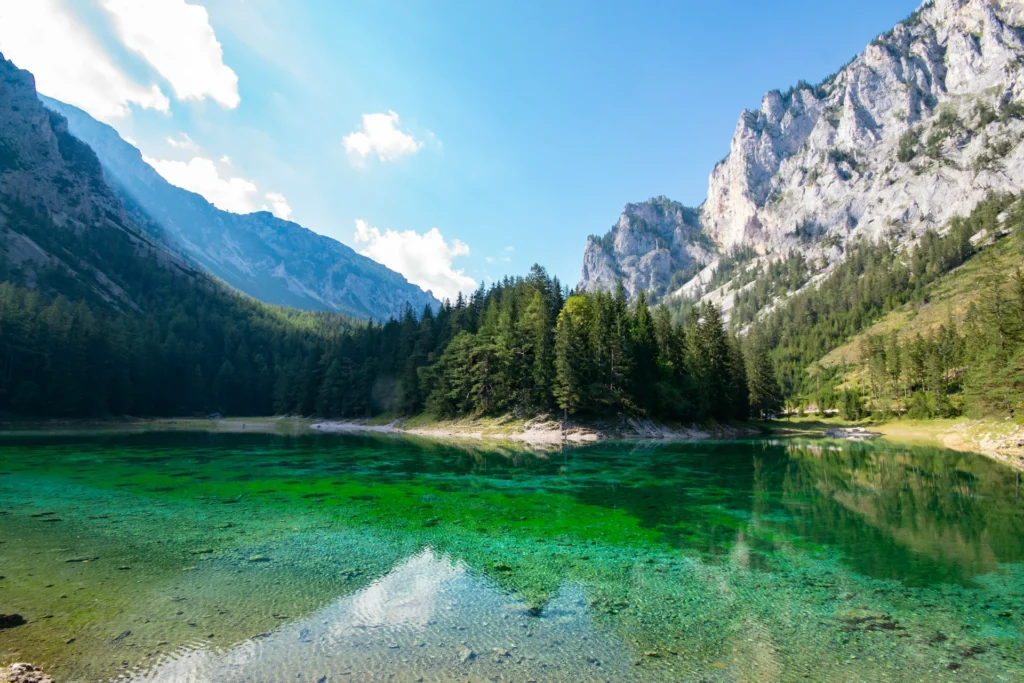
(949, 296)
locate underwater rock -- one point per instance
(870, 621)
(502, 567)
(24, 673)
(72, 560)
(259, 558)
(122, 636)
(853, 434)
(11, 620)
(466, 655)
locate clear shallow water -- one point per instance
(229, 557)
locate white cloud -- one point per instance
(177, 40)
(183, 141)
(425, 260)
(510, 248)
(68, 62)
(380, 135)
(278, 205)
(238, 195)
(200, 175)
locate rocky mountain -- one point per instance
(655, 246)
(916, 129)
(273, 260)
(62, 229)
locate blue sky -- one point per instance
(454, 141)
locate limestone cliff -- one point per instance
(918, 128)
(651, 242)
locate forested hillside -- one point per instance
(971, 361)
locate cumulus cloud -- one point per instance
(201, 175)
(177, 40)
(68, 62)
(424, 260)
(183, 141)
(380, 135)
(278, 205)
(226, 192)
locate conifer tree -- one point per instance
(765, 394)
(572, 354)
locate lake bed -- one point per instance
(257, 557)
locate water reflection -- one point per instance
(377, 556)
(427, 618)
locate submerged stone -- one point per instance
(11, 620)
(24, 673)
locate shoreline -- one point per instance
(994, 439)
(538, 432)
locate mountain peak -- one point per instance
(916, 129)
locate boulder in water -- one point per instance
(23, 673)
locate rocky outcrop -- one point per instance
(270, 259)
(56, 208)
(651, 242)
(915, 130)
(23, 673)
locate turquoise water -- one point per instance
(231, 557)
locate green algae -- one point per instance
(714, 560)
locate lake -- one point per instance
(256, 557)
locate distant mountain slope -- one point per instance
(918, 128)
(273, 260)
(62, 229)
(98, 317)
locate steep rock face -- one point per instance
(60, 223)
(826, 160)
(650, 242)
(918, 128)
(273, 260)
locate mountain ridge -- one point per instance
(271, 259)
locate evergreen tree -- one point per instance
(709, 361)
(765, 394)
(572, 355)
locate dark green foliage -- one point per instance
(765, 393)
(851, 406)
(1011, 110)
(978, 370)
(985, 114)
(907, 149)
(773, 280)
